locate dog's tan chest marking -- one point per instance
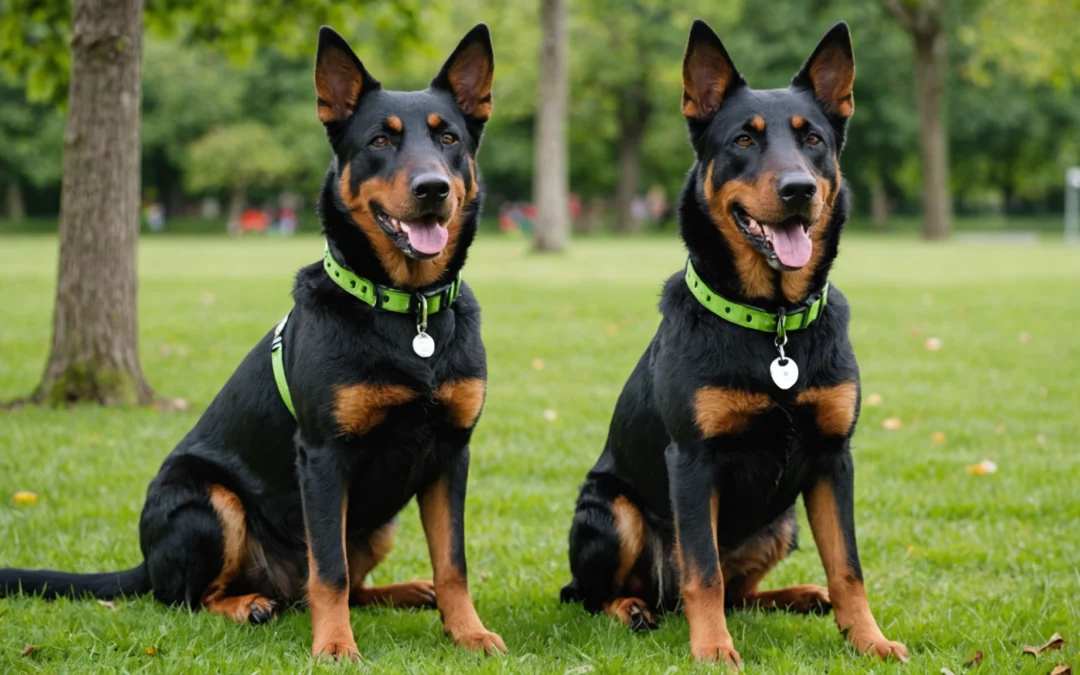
(463, 400)
(359, 408)
(835, 407)
(718, 410)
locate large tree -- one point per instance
(922, 20)
(551, 187)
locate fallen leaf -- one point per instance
(1025, 338)
(1061, 669)
(171, 404)
(150, 651)
(983, 468)
(960, 311)
(1000, 429)
(915, 330)
(107, 603)
(1040, 439)
(611, 328)
(25, 498)
(165, 350)
(932, 344)
(28, 650)
(891, 423)
(975, 659)
(538, 364)
(550, 415)
(874, 400)
(910, 550)
(1056, 642)
(937, 437)
(484, 576)
(208, 298)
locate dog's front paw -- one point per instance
(873, 643)
(480, 640)
(719, 651)
(339, 650)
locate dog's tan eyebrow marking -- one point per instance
(798, 121)
(758, 123)
(394, 123)
(433, 121)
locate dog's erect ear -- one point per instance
(340, 78)
(830, 74)
(469, 73)
(708, 73)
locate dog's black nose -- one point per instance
(797, 189)
(430, 188)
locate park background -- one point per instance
(963, 291)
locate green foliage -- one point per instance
(31, 141)
(238, 156)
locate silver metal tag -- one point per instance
(424, 346)
(784, 372)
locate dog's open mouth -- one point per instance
(786, 243)
(423, 237)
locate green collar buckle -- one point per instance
(387, 298)
(751, 317)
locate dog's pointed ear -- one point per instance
(708, 73)
(340, 78)
(830, 74)
(469, 73)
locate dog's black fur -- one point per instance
(229, 517)
(694, 492)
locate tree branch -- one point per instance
(900, 13)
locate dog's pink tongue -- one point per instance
(792, 245)
(426, 236)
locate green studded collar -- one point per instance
(386, 298)
(751, 317)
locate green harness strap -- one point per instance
(376, 295)
(751, 317)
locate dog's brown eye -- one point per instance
(813, 139)
(744, 141)
(380, 141)
(449, 139)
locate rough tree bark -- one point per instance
(923, 23)
(94, 354)
(551, 180)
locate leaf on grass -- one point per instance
(1040, 439)
(915, 330)
(166, 350)
(874, 400)
(1025, 338)
(1061, 669)
(611, 328)
(208, 298)
(983, 468)
(24, 497)
(1056, 642)
(538, 364)
(550, 415)
(975, 659)
(28, 650)
(932, 344)
(171, 404)
(107, 603)
(891, 423)
(1000, 429)
(937, 437)
(150, 651)
(484, 576)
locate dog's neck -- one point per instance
(714, 261)
(350, 246)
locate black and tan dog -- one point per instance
(719, 429)
(384, 366)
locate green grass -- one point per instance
(954, 562)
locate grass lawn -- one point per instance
(954, 562)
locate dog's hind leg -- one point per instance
(607, 540)
(364, 556)
(194, 537)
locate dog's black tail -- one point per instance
(51, 584)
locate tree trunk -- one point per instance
(551, 181)
(879, 201)
(633, 119)
(94, 353)
(14, 207)
(237, 202)
(930, 69)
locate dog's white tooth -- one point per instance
(405, 227)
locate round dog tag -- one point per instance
(423, 345)
(784, 372)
